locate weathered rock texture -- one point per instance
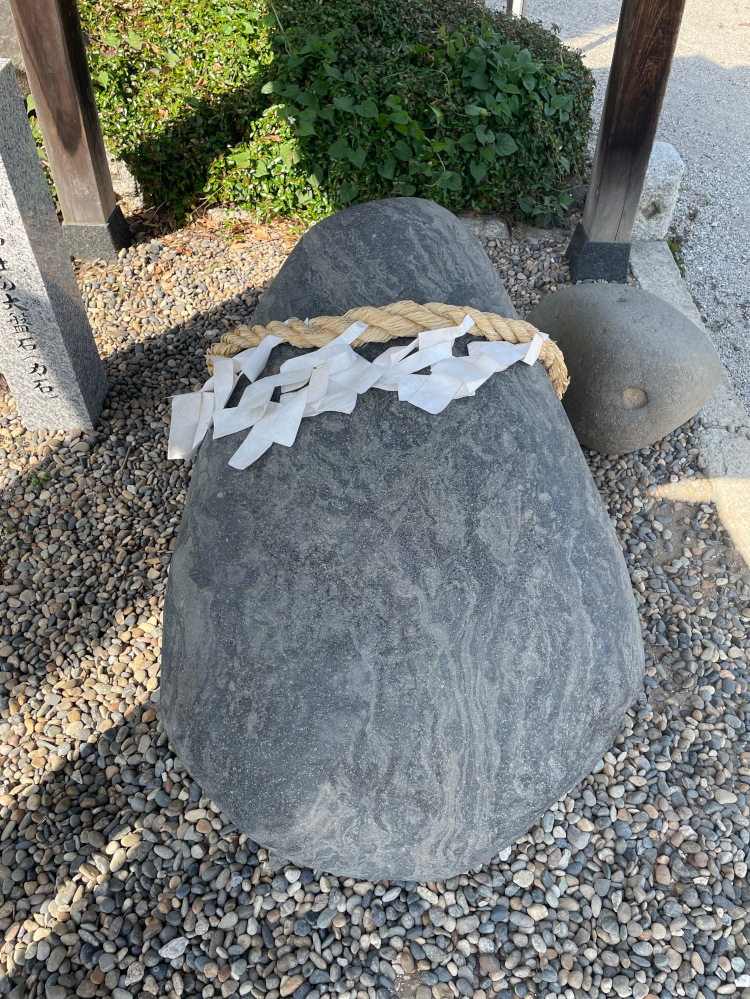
(638, 367)
(390, 647)
(660, 190)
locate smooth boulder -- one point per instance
(389, 648)
(382, 252)
(638, 367)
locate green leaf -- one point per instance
(450, 181)
(289, 153)
(339, 149)
(387, 168)
(473, 111)
(241, 160)
(479, 81)
(30, 106)
(565, 163)
(344, 104)
(269, 87)
(367, 109)
(357, 157)
(505, 144)
(402, 150)
(135, 41)
(261, 170)
(478, 170)
(399, 118)
(304, 128)
(171, 58)
(111, 40)
(484, 134)
(347, 192)
(103, 77)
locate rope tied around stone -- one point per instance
(390, 322)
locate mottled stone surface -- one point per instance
(390, 647)
(659, 195)
(382, 252)
(638, 367)
(47, 349)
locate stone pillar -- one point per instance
(47, 350)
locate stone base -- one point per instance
(594, 260)
(98, 242)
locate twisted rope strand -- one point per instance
(400, 319)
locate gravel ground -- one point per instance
(705, 117)
(118, 876)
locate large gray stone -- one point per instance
(382, 252)
(389, 648)
(638, 367)
(47, 350)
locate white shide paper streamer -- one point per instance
(329, 380)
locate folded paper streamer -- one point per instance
(329, 380)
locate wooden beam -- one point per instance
(55, 56)
(644, 49)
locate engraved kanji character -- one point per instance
(9, 301)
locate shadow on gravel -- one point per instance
(81, 751)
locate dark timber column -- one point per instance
(55, 56)
(644, 48)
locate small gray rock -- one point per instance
(638, 368)
(174, 948)
(467, 924)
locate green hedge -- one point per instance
(299, 107)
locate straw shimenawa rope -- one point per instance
(400, 319)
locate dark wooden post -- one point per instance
(54, 52)
(644, 48)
